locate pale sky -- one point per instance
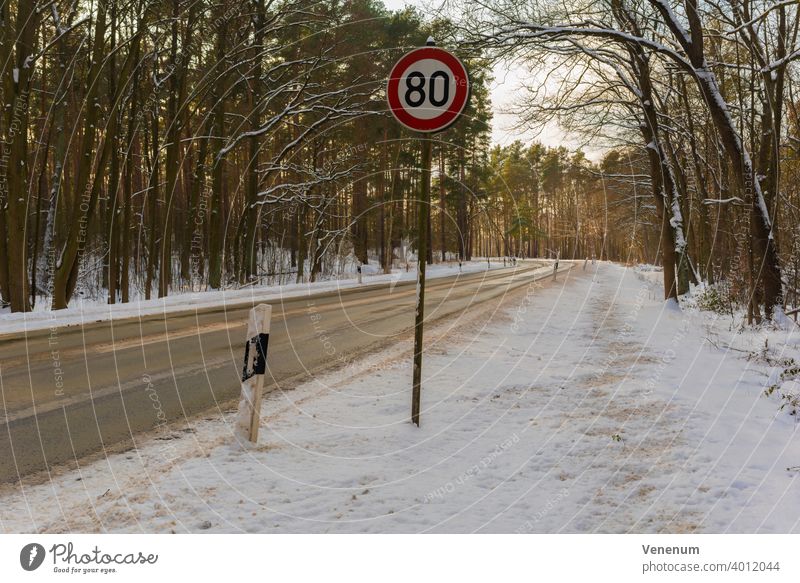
(504, 89)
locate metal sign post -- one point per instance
(254, 369)
(427, 91)
(423, 215)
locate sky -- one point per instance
(504, 90)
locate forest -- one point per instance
(150, 148)
(695, 102)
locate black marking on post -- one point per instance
(261, 342)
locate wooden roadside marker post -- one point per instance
(254, 369)
(427, 90)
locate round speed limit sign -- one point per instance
(428, 89)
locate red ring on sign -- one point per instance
(458, 104)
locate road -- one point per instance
(80, 390)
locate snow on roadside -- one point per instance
(582, 405)
(84, 311)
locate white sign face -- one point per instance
(428, 89)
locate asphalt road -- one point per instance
(80, 390)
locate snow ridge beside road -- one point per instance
(88, 311)
(581, 405)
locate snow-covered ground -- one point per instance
(82, 311)
(583, 405)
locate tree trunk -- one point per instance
(252, 209)
(217, 226)
(153, 189)
(177, 96)
(14, 150)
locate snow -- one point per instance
(581, 405)
(83, 311)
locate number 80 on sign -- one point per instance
(428, 89)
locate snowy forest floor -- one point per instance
(584, 405)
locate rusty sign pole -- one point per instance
(423, 215)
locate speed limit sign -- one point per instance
(428, 89)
